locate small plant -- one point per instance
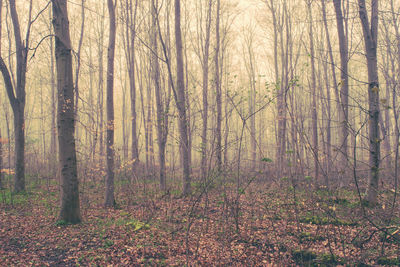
(137, 225)
(61, 223)
(108, 243)
(266, 160)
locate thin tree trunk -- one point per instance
(344, 86)
(70, 209)
(110, 199)
(328, 126)
(370, 33)
(17, 98)
(206, 54)
(218, 96)
(162, 116)
(78, 66)
(180, 100)
(314, 113)
(100, 97)
(131, 55)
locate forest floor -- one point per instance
(258, 225)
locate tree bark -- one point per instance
(206, 54)
(218, 95)
(70, 208)
(314, 113)
(162, 112)
(78, 66)
(17, 98)
(110, 199)
(131, 55)
(344, 86)
(181, 102)
(370, 33)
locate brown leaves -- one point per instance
(154, 231)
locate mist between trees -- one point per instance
(232, 116)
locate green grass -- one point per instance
(10, 198)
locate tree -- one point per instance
(205, 63)
(218, 92)
(130, 32)
(70, 209)
(16, 93)
(180, 100)
(370, 33)
(279, 21)
(162, 105)
(344, 83)
(110, 200)
(250, 64)
(314, 113)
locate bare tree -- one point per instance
(110, 200)
(314, 113)
(70, 208)
(130, 33)
(205, 68)
(370, 33)
(16, 92)
(250, 63)
(344, 84)
(180, 100)
(218, 94)
(162, 104)
(78, 64)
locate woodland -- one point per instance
(199, 132)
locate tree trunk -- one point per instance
(181, 102)
(131, 55)
(110, 200)
(344, 87)
(314, 113)
(17, 98)
(70, 209)
(218, 96)
(370, 33)
(162, 116)
(78, 67)
(206, 54)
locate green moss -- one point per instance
(61, 223)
